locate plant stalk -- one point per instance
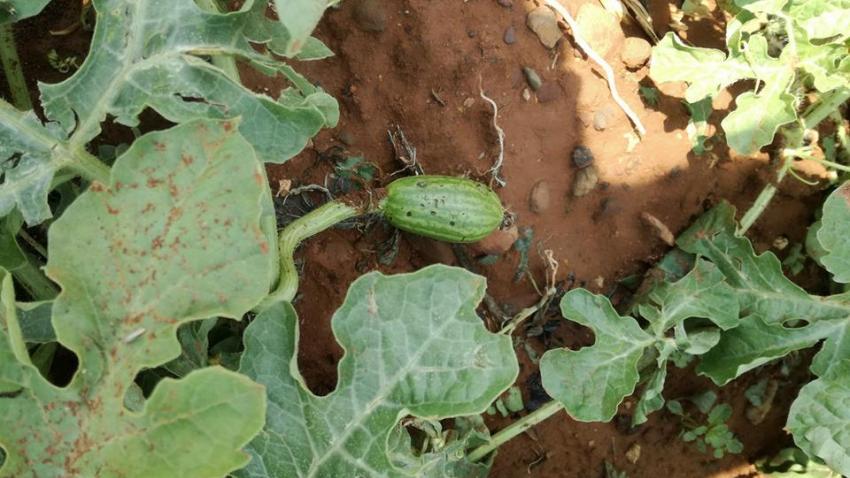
(30, 277)
(291, 236)
(516, 428)
(12, 68)
(225, 63)
(819, 111)
(89, 166)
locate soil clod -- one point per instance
(498, 243)
(370, 16)
(549, 92)
(636, 52)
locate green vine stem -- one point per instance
(30, 277)
(12, 68)
(291, 236)
(515, 428)
(226, 63)
(89, 166)
(819, 111)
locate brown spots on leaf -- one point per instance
(227, 125)
(148, 208)
(97, 187)
(187, 159)
(156, 243)
(175, 214)
(258, 178)
(152, 182)
(112, 210)
(159, 146)
(173, 190)
(264, 247)
(133, 319)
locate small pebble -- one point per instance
(370, 15)
(548, 92)
(532, 78)
(582, 157)
(540, 198)
(526, 94)
(633, 453)
(586, 180)
(543, 22)
(505, 3)
(467, 103)
(510, 36)
(471, 33)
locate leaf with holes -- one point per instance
(414, 346)
(142, 58)
(175, 236)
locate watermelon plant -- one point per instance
(147, 253)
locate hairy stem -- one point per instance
(291, 236)
(225, 63)
(516, 428)
(819, 111)
(89, 166)
(765, 196)
(12, 68)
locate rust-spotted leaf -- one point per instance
(175, 236)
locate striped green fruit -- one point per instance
(446, 208)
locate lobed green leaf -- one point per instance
(141, 58)
(592, 381)
(175, 236)
(819, 418)
(414, 346)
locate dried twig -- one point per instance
(307, 188)
(497, 166)
(609, 72)
(545, 298)
(404, 152)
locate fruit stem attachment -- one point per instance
(310, 224)
(300, 229)
(515, 428)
